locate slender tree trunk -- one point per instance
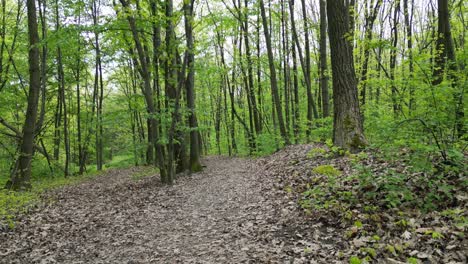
(62, 96)
(142, 65)
(368, 28)
(43, 97)
(195, 164)
(248, 54)
(323, 59)
(170, 84)
(286, 69)
(297, 118)
(305, 65)
(393, 57)
(409, 40)
(78, 101)
(273, 79)
(21, 173)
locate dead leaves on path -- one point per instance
(236, 211)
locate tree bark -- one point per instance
(195, 164)
(323, 60)
(273, 79)
(21, 174)
(347, 122)
(445, 63)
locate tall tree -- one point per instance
(445, 62)
(273, 79)
(195, 164)
(323, 59)
(347, 121)
(21, 173)
(393, 57)
(409, 13)
(368, 29)
(143, 69)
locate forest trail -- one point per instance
(223, 214)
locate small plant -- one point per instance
(412, 260)
(327, 170)
(369, 251)
(355, 260)
(358, 224)
(434, 234)
(316, 152)
(391, 249)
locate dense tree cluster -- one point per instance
(159, 82)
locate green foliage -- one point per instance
(412, 260)
(121, 161)
(355, 260)
(316, 152)
(369, 251)
(327, 170)
(322, 129)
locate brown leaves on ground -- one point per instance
(225, 214)
(379, 234)
(235, 211)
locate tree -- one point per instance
(347, 121)
(21, 173)
(273, 80)
(189, 85)
(323, 59)
(445, 62)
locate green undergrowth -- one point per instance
(384, 197)
(378, 182)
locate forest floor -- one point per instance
(235, 211)
(224, 214)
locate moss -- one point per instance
(327, 170)
(357, 143)
(196, 167)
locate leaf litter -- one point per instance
(235, 211)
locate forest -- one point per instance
(349, 113)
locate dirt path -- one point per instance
(225, 214)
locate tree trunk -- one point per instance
(143, 69)
(409, 40)
(370, 19)
(445, 62)
(21, 174)
(347, 123)
(323, 60)
(393, 58)
(195, 164)
(61, 84)
(273, 79)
